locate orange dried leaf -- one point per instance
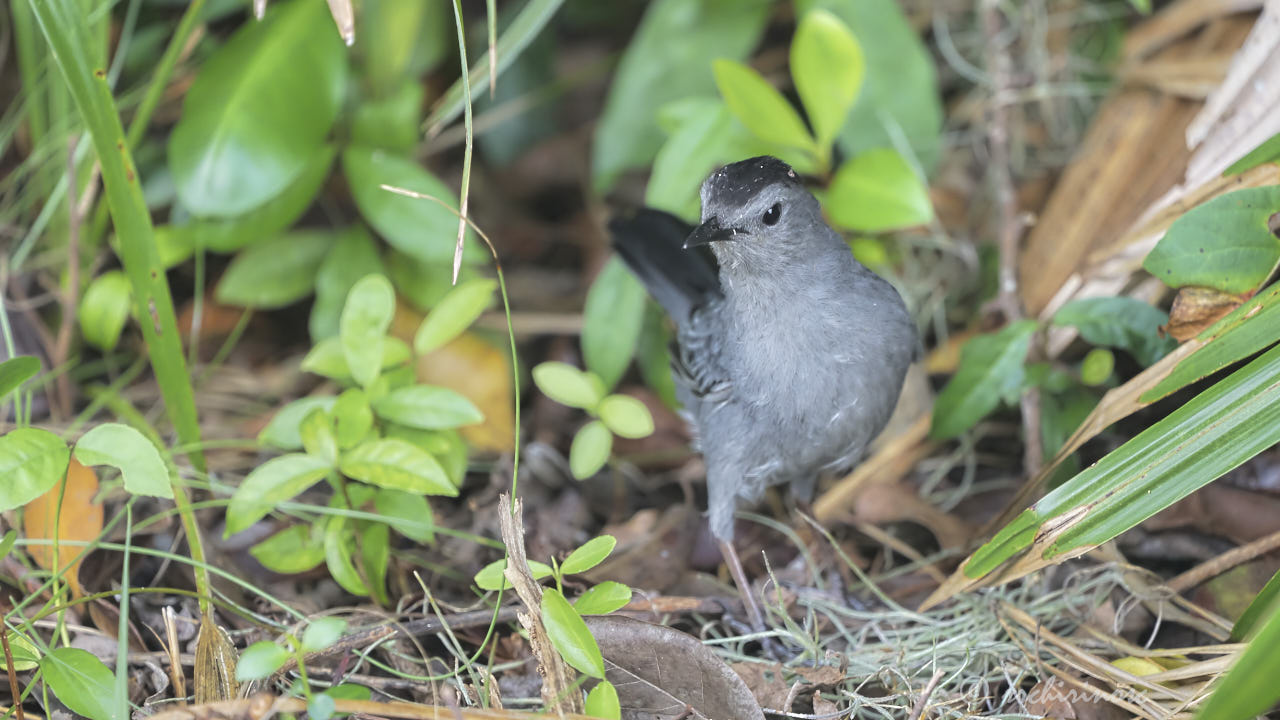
(78, 519)
(1196, 308)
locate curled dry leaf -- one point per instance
(78, 519)
(1196, 308)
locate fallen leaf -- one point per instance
(78, 519)
(1196, 308)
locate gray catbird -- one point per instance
(790, 354)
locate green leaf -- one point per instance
(446, 446)
(328, 357)
(588, 555)
(352, 257)
(1264, 603)
(391, 122)
(877, 191)
(611, 321)
(363, 326)
(1142, 6)
(827, 68)
(667, 60)
(626, 416)
(105, 309)
(275, 273)
(375, 553)
(26, 656)
(453, 314)
(7, 542)
(408, 513)
(283, 430)
(590, 449)
(1224, 244)
(1249, 688)
(602, 702)
(400, 27)
(395, 464)
(321, 706)
(260, 660)
(81, 682)
(352, 418)
(293, 550)
(322, 633)
(422, 229)
(337, 557)
(703, 140)
(1268, 151)
(271, 483)
(566, 385)
(760, 107)
(31, 462)
(427, 407)
(654, 358)
(260, 108)
(317, 436)
(603, 598)
(570, 636)
(1119, 322)
(128, 450)
(490, 576)
(991, 368)
(15, 371)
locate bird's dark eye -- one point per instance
(772, 214)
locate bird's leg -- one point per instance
(749, 601)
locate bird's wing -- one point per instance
(697, 359)
(651, 243)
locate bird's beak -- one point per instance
(711, 231)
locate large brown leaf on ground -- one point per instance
(78, 518)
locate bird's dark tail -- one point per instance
(651, 243)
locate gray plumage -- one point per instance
(790, 354)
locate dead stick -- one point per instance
(1224, 562)
(917, 710)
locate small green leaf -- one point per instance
(1225, 244)
(1142, 6)
(292, 550)
(590, 449)
(446, 446)
(351, 257)
(588, 555)
(375, 553)
(390, 123)
(566, 385)
(363, 326)
(352, 418)
(603, 598)
(260, 660)
(81, 682)
(1264, 603)
(6, 543)
(105, 309)
(490, 576)
(1249, 688)
(626, 416)
(321, 706)
(760, 107)
(337, 556)
(31, 462)
(322, 633)
(570, 636)
(991, 368)
(26, 656)
(317, 436)
(408, 513)
(271, 483)
(128, 450)
(454, 313)
(611, 321)
(878, 191)
(602, 702)
(1119, 322)
(275, 273)
(328, 358)
(1268, 151)
(395, 464)
(282, 431)
(827, 68)
(427, 407)
(1097, 366)
(15, 371)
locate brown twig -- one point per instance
(918, 709)
(1224, 562)
(13, 678)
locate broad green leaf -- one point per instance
(275, 273)
(363, 326)
(105, 309)
(282, 431)
(321, 706)
(375, 552)
(570, 635)
(322, 633)
(128, 450)
(590, 449)
(1224, 244)
(1119, 322)
(400, 27)
(454, 313)
(427, 407)
(81, 682)
(991, 368)
(603, 598)
(588, 555)
(1268, 151)
(423, 283)
(296, 549)
(337, 556)
(271, 483)
(391, 122)
(408, 513)
(352, 418)
(318, 439)
(26, 656)
(259, 109)
(667, 59)
(566, 385)
(1264, 603)
(827, 68)
(422, 229)
(490, 576)
(760, 107)
(899, 99)
(31, 462)
(626, 416)
(15, 371)
(1097, 366)
(602, 702)
(878, 191)
(696, 146)
(260, 660)
(446, 446)
(1142, 6)
(654, 358)
(611, 321)
(352, 257)
(395, 464)
(1249, 688)
(328, 357)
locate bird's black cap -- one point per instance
(735, 184)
